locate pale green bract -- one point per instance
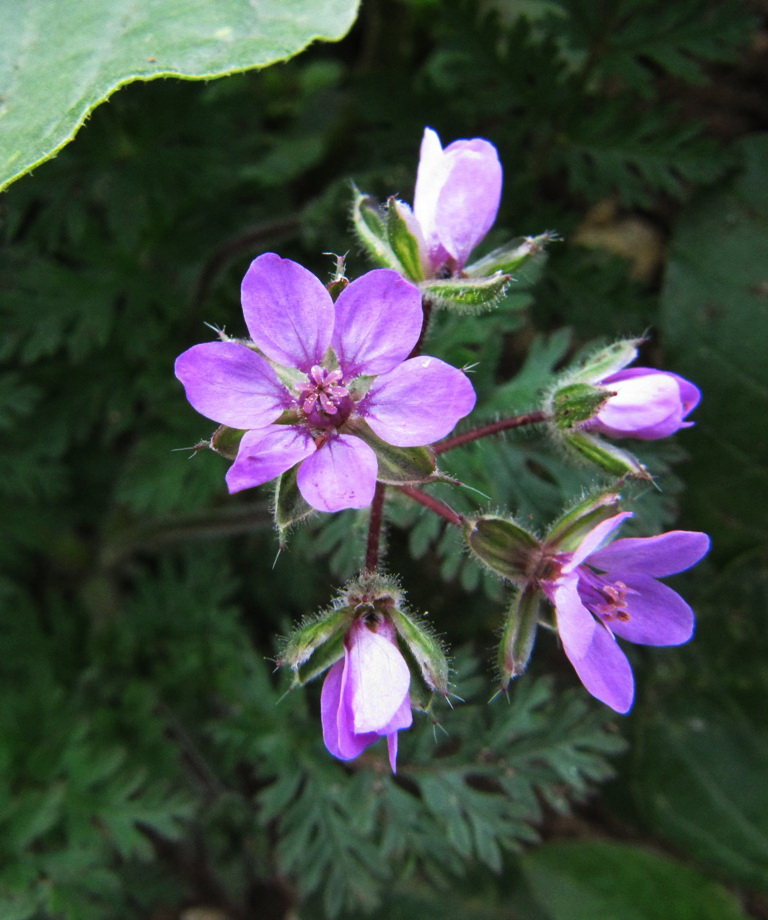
(60, 58)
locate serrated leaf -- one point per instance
(58, 61)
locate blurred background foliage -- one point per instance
(151, 767)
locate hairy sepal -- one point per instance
(512, 256)
(427, 651)
(405, 239)
(466, 294)
(608, 457)
(370, 228)
(397, 465)
(519, 634)
(568, 531)
(503, 546)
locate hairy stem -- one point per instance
(374, 529)
(433, 504)
(485, 431)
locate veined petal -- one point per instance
(657, 614)
(335, 714)
(231, 384)
(665, 554)
(593, 539)
(468, 201)
(288, 312)
(378, 321)
(379, 680)
(418, 402)
(341, 474)
(265, 453)
(604, 670)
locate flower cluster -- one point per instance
(332, 397)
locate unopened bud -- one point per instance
(503, 546)
(612, 459)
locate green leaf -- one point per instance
(715, 327)
(59, 61)
(699, 774)
(605, 880)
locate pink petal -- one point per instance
(418, 402)
(468, 202)
(593, 539)
(378, 321)
(429, 181)
(647, 405)
(392, 750)
(265, 453)
(379, 680)
(341, 474)
(288, 312)
(336, 717)
(575, 624)
(657, 614)
(231, 385)
(665, 554)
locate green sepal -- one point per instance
(465, 294)
(607, 456)
(397, 465)
(511, 257)
(605, 361)
(570, 529)
(311, 635)
(325, 656)
(226, 441)
(503, 546)
(577, 403)
(425, 648)
(290, 505)
(370, 228)
(405, 240)
(519, 634)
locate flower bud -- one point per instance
(519, 634)
(503, 546)
(608, 457)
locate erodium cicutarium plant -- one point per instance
(333, 400)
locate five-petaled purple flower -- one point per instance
(645, 404)
(599, 594)
(456, 199)
(365, 695)
(323, 367)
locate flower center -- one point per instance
(323, 399)
(606, 599)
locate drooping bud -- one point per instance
(370, 228)
(519, 633)
(570, 529)
(405, 239)
(512, 256)
(466, 294)
(427, 651)
(503, 546)
(576, 403)
(608, 457)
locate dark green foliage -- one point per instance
(149, 759)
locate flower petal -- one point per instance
(418, 402)
(647, 405)
(379, 681)
(657, 614)
(593, 539)
(335, 714)
(665, 554)
(231, 384)
(288, 312)
(468, 201)
(341, 474)
(575, 624)
(266, 453)
(378, 321)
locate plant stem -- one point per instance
(426, 307)
(433, 504)
(374, 529)
(485, 431)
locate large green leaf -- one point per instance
(602, 880)
(715, 324)
(58, 60)
(699, 778)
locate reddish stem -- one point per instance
(433, 504)
(426, 308)
(374, 529)
(485, 431)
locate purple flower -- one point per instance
(645, 404)
(600, 594)
(323, 367)
(456, 200)
(365, 695)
